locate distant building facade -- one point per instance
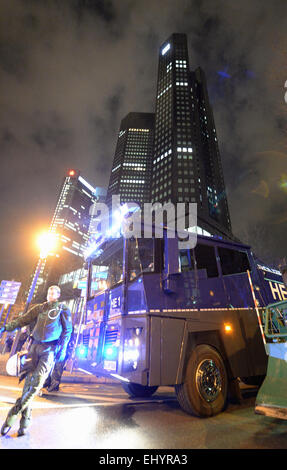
(132, 165)
(71, 225)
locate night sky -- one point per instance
(71, 70)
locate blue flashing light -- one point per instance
(23, 359)
(82, 351)
(110, 352)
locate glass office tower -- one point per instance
(186, 162)
(70, 224)
(131, 171)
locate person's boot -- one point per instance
(11, 417)
(5, 429)
(24, 422)
(47, 383)
(54, 387)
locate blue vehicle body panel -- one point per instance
(167, 316)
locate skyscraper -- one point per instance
(215, 207)
(70, 224)
(186, 162)
(131, 171)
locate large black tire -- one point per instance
(137, 390)
(204, 390)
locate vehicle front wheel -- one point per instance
(204, 390)
(137, 390)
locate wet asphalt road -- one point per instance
(90, 416)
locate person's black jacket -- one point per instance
(53, 322)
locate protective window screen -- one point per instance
(186, 260)
(232, 261)
(141, 256)
(205, 259)
(108, 264)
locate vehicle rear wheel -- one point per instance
(137, 390)
(204, 390)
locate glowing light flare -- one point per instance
(47, 243)
(223, 73)
(82, 351)
(111, 352)
(228, 328)
(262, 189)
(118, 218)
(118, 439)
(283, 182)
(80, 419)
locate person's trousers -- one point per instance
(58, 372)
(41, 359)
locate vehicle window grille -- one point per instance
(111, 336)
(86, 338)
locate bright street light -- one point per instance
(47, 243)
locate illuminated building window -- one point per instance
(165, 49)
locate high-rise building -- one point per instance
(70, 224)
(131, 171)
(186, 162)
(215, 207)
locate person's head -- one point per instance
(53, 293)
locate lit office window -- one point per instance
(165, 49)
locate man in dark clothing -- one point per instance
(50, 336)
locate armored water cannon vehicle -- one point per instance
(188, 317)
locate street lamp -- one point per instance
(47, 244)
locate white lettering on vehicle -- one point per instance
(278, 290)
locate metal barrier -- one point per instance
(275, 321)
(271, 399)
